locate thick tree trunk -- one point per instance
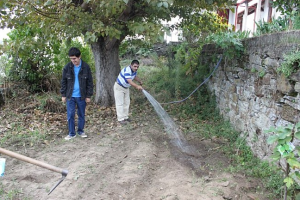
(106, 54)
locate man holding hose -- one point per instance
(121, 90)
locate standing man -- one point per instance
(76, 90)
(121, 90)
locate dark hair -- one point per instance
(135, 62)
(74, 52)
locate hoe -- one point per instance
(38, 163)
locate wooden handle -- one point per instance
(33, 161)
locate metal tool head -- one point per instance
(64, 174)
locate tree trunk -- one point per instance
(106, 54)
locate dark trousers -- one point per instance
(71, 107)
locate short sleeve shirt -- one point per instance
(126, 73)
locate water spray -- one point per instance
(170, 126)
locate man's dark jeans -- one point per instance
(71, 107)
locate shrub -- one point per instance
(290, 64)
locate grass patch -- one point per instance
(24, 138)
(11, 194)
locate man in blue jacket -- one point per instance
(76, 89)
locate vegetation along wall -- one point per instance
(256, 91)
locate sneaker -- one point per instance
(68, 137)
(83, 135)
(123, 122)
(128, 120)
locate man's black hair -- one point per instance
(135, 62)
(74, 52)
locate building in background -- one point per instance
(174, 35)
(241, 18)
(247, 12)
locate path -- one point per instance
(131, 162)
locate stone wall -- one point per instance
(252, 95)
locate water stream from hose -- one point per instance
(171, 128)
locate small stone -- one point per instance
(225, 184)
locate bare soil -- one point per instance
(131, 162)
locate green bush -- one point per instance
(30, 56)
(276, 25)
(36, 60)
(230, 42)
(290, 64)
(130, 48)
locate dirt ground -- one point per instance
(131, 162)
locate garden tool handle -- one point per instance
(33, 161)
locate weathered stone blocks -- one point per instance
(255, 97)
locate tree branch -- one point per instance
(45, 14)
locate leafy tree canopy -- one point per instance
(106, 18)
(104, 24)
(286, 6)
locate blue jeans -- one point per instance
(71, 107)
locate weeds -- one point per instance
(24, 138)
(276, 25)
(10, 195)
(286, 152)
(290, 64)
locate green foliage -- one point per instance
(5, 66)
(61, 59)
(12, 194)
(229, 41)
(135, 47)
(244, 161)
(162, 79)
(196, 31)
(288, 8)
(296, 21)
(103, 24)
(145, 52)
(290, 64)
(286, 151)
(24, 136)
(36, 60)
(201, 24)
(95, 19)
(285, 6)
(276, 25)
(287, 22)
(176, 79)
(30, 57)
(262, 73)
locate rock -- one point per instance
(225, 184)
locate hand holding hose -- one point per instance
(139, 87)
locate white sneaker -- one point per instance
(68, 137)
(83, 135)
